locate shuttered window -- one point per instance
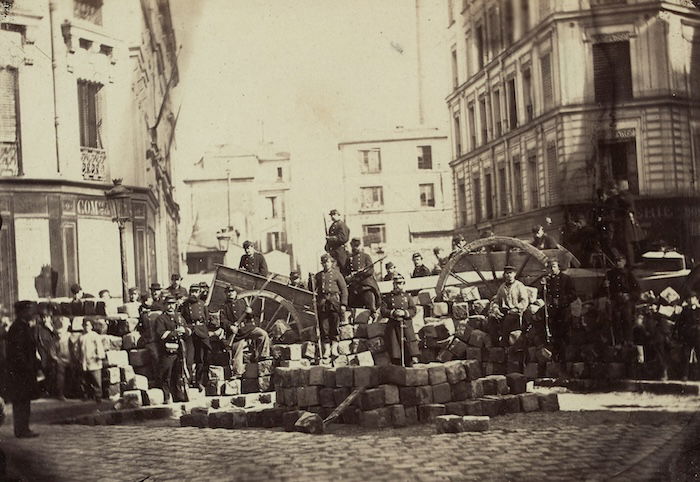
(476, 183)
(552, 173)
(512, 104)
(547, 90)
(533, 180)
(612, 72)
(90, 114)
(488, 196)
(8, 105)
(517, 184)
(502, 191)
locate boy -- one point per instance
(91, 355)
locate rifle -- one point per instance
(184, 376)
(352, 278)
(312, 285)
(547, 332)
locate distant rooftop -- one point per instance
(399, 133)
(240, 160)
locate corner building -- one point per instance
(85, 89)
(552, 100)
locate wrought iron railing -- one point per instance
(94, 163)
(9, 159)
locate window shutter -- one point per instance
(552, 173)
(547, 90)
(612, 72)
(97, 96)
(8, 111)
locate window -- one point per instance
(458, 134)
(527, 93)
(502, 191)
(508, 22)
(273, 207)
(468, 54)
(480, 46)
(89, 10)
(425, 157)
(517, 184)
(373, 234)
(494, 32)
(488, 196)
(525, 15)
(461, 203)
(552, 173)
(618, 159)
(280, 174)
(483, 121)
(612, 72)
(512, 103)
(89, 114)
(533, 181)
(472, 125)
(370, 161)
(477, 199)
(275, 241)
(547, 88)
(455, 76)
(372, 197)
(9, 125)
(497, 112)
(427, 195)
(450, 11)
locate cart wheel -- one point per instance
(269, 307)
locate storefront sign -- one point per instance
(94, 207)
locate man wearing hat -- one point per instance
(203, 291)
(195, 313)
(331, 300)
(688, 329)
(400, 309)
(47, 347)
(362, 287)
(458, 245)
(507, 306)
(77, 297)
(22, 367)
(169, 330)
(295, 280)
(252, 260)
(541, 240)
(338, 235)
(419, 269)
(390, 271)
(558, 292)
(176, 289)
(623, 291)
(157, 295)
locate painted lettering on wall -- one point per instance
(94, 207)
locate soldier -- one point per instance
(419, 269)
(253, 261)
(558, 292)
(146, 327)
(622, 290)
(688, 329)
(239, 327)
(338, 235)
(399, 336)
(362, 287)
(390, 271)
(295, 280)
(203, 291)
(331, 302)
(458, 244)
(176, 289)
(507, 306)
(22, 367)
(541, 240)
(169, 330)
(47, 346)
(157, 296)
(194, 311)
(441, 259)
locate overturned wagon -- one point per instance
(270, 300)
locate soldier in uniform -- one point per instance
(22, 367)
(400, 309)
(419, 269)
(338, 235)
(169, 330)
(688, 329)
(390, 271)
(458, 244)
(176, 289)
(295, 280)
(362, 287)
(194, 311)
(203, 291)
(146, 327)
(560, 293)
(253, 261)
(541, 240)
(157, 295)
(622, 290)
(331, 300)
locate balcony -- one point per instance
(9, 159)
(94, 162)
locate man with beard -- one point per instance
(169, 330)
(400, 339)
(331, 300)
(194, 311)
(363, 288)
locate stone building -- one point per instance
(85, 88)
(553, 100)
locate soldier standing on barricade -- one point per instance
(336, 238)
(169, 330)
(399, 337)
(331, 302)
(194, 311)
(253, 261)
(688, 329)
(362, 287)
(622, 290)
(558, 292)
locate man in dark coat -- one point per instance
(362, 287)
(22, 367)
(253, 261)
(419, 269)
(558, 292)
(158, 299)
(176, 289)
(295, 280)
(331, 300)
(623, 292)
(146, 327)
(400, 309)
(541, 240)
(195, 313)
(391, 271)
(47, 347)
(169, 330)
(688, 329)
(338, 235)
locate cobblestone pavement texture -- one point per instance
(567, 445)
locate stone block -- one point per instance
(455, 408)
(472, 407)
(398, 415)
(428, 413)
(531, 371)
(529, 402)
(329, 377)
(501, 384)
(458, 348)
(308, 350)
(445, 355)
(265, 368)
(213, 388)
(340, 394)
(264, 384)
(376, 418)
(411, 396)
(130, 340)
(417, 376)
(411, 415)
(460, 390)
(425, 297)
(310, 394)
(316, 375)
(220, 420)
(473, 369)
(455, 371)
(358, 345)
(362, 359)
(290, 418)
(442, 393)
(448, 424)
(231, 387)
(381, 359)
(490, 368)
(476, 388)
(325, 398)
(138, 382)
(511, 403)
(361, 316)
(497, 355)
(344, 376)
(216, 373)
(372, 398)
(489, 386)
(366, 376)
(475, 423)
(286, 352)
(251, 370)
(303, 363)
(111, 375)
(479, 339)
(250, 385)
(440, 308)
(271, 417)
(391, 394)
(517, 383)
(549, 402)
(436, 374)
(117, 358)
(375, 345)
(491, 406)
(290, 397)
(265, 398)
(463, 330)
(132, 399)
(344, 346)
(393, 375)
(460, 310)
(473, 353)
(310, 423)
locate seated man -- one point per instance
(239, 327)
(507, 307)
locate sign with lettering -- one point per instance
(94, 207)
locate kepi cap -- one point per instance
(417, 255)
(508, 268)
(156, 286)
(75, 288)
(355, 241)
(333, 211)
(170, 299)
(324, 258)
(390, 265)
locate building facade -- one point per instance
(398, 190)
(84, 101)
(553, 100)
(244, 193)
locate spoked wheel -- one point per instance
(269, 307)
(482, 261)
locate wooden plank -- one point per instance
(343, 406)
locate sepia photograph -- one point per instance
(367, 240)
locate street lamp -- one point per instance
(223, 237)
(119, 198)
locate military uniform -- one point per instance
(689, 333)
(560, 294)
(544, 242)
(331, 295)
(338, 236)
(400, 300)
(624, 292)
(420, 271)
(240, 328)
(255, 263)
(178, 292)
(22, 368)
(170, 356)
(146, 327)
(363, 289)
(195, 313)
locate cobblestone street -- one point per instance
(643, 444)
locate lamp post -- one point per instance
(223, 238)
(119, 198)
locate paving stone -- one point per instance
(316, 375)
(153, 396)
(272, 417)
(381, 359)
(286, 352)
(251, 370)
(460, 390)
(340, 394)
(290, 397)
(448, 424)
(427, 413)
(491, 406)
(497, 355)
(346, 332)
(473, 369)
(344, 377)
(250, 385)
(460, 310)
(329, 377)
(475, 423)
(436, 373)
(398, 415)
(111, 375)
(473, 407)
(531, 370)
(117, 358)
(549, 402)
(325, 397)
(553, 370)
(511, 403)
(265, 368)
(476, 388)
(501, 384)
(417, 376)
(529, 402)
(132, 399)
(517, 383)
(231, 387)
(442, 393)
(303, 363)
(455, 408)
(489, 385)
(473, 353)
(376, 418)
(391, 394)
(479, 339)
(392, 375)
(344, 347)
(455, 371)
(310, 423)
(372, 398)
(363, 359)
(366, 376)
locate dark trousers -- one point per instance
(60, 379)
(340, 255)
(154, 358)
(93, 383)
(622, 314)
(201, 360)
(559, 329)
(169, 373)
(20, 416)
(363, 299)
